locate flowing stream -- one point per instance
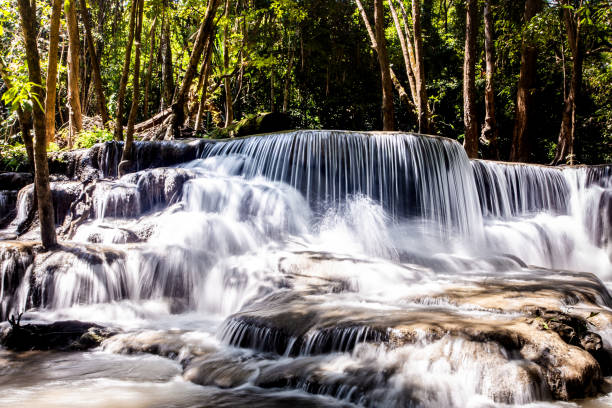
(269, 275)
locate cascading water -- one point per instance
(321, 268)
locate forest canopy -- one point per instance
(514, 80)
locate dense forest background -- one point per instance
(315, 61)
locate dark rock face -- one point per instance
(15, 181)
(159, 187)
(253, 125)
(63, 193)
(102, 160)
(8, 210)
(63, 336)
(15, 258)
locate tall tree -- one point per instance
(205, 73)
(470, 121)
(126, 156)
(573, 23)
(29, 27)
(204, 32)
(373, 43)
(147, 84)
(520, 136)
(166, 52)
(489, 134)
(407, 51)
(56, 11)
(423, 110)
(125, 73)
(229, 109)
(75, 115)
(95, 65)
(383, 62)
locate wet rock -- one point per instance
(522, 319)
(63, 193)
(76, 274)
(8, 211)
(159, 187)
(15, 181)
(255, 124)
(102, 160)
(15, 258)
(63, 336)
(173, 344)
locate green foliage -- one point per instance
(13, 157)
(88, 138)
(334, 80)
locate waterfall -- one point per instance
(366, 268)
(506, 190)
(410, 176)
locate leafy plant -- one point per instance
(88, 138)
(13, 157)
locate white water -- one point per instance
(404, 217)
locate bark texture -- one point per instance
(470, 121)
(147, 84)
(51, 85)
(178, 106)
(229, 108)
(167, 74)
(383, 62)
(95, 65)
(489, 134)
(396, 83)
(41, 177)
(124, 73)
(419, 70)
(126, 156)
(520, 151)
(567, 133)
(74, 104)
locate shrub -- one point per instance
(88, 138)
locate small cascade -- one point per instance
(410, 176)
(507, 190)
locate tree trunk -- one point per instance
(419, 69)
(383, 62)
(489, 130)
(396, 83)
(41, 179)
(75, 118)
(126, 156)
(203, 98)
(124, 74)
(287, 82)
(167, 75)
(272, 96)
(470, 143)
(95, 65)
(229, 108)
(565, 145)
(405, 53)
(178, 106)
(520, 135)
(51, 86)
(147, 84)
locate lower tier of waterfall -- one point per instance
(310, 268)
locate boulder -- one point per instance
(62, 336)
